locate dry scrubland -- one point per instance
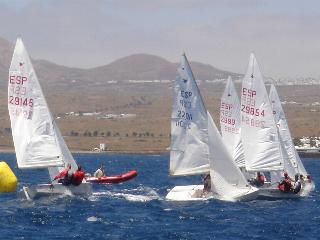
(151, 102)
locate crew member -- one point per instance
(286, 183)
(297, 184)
(64, 176)
(77, 176)
(258, 181)
(207, 183)
(99, 172)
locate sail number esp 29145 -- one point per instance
(18, 97)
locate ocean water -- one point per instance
(138, 210)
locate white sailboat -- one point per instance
(262, 146)
(37, 140)
(296, 165)
(197, 147)
(230, 123)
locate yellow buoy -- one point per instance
(8, 181)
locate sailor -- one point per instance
(309, 178)
(297, 184)
(99, 172)
(286, 183)
(64, 176)
(77, 176)
(207, 183)
(258, 181)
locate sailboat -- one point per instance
(260, 137)
(37, 139)
(296, 165)
(197, 147)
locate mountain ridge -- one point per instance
(140, 66)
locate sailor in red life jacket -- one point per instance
(64, 176)
(77, 177)
(286, 183)
(260, 179)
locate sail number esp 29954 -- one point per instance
(248, 106)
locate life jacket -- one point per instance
(281, 187)
(284, 186)
(62, 174)
(261, 179)
(77, 178)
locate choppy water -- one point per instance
(138, 210)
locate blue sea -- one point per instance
(138, 210)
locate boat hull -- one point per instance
(113, 179)
(273, 193)
(47, 190)
(307, 187)
(195, 193)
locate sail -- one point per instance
(259, 132)
(230, 123)
(286, 140)
(227, 179)
(189, 134)
(31, 122)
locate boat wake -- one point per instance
(140, 194)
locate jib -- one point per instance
(17, 80)
(185, 94)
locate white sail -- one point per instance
(258, 129)
(189, 136)
(286, 140)
(227, 179)
(230, 123)
(31, 122)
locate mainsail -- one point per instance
(230, 123)
(189, 134)
(285, 136)
(31, 123)
(258, 129)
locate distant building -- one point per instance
(103, 146)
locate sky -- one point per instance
(284, 35)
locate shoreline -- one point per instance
(104, 152)
(5, 150)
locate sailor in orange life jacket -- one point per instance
(77, 177)
(64, 176)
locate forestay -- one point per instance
(285, 136)
(258, 129)
(31, 122)
(65, 152)
(227, 179)
(230, 123)
(189, 135)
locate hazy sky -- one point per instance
(284, 34)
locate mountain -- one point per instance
(133, 67)
(150, 67)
